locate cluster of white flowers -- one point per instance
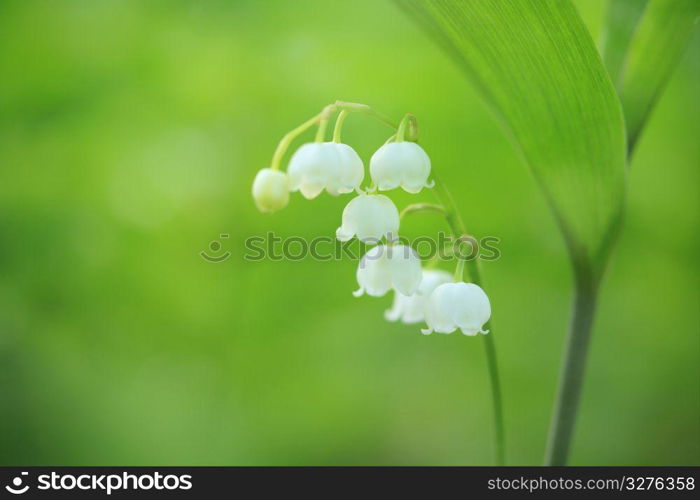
(420, 295)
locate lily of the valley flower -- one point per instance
(387, 267)
(370, 217)
(332, 166)
(457, 305)
(271, 190)
(400, 164)
(411, 308)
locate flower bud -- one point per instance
(411, 308)
(332, 166)
(370, 217)
(457, 305)
(387, 267)
(271, 190)
(400, 164)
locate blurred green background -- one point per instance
(130, 133)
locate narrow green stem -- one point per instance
(322, 120)
(366, 110)
(454, 220)
(401, 132)
(408, 129)
(490, 346)
(423, 208)
(412, 127)
(459, 271)
(572, 370)
(321, 131)
(448, 209)
(324, 116)
(492, 361)
(339, 125)
(289, 137)
(407, 122)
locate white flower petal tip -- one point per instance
(270, 190)
(332, 166)
(400, 164)
(370, 217)
(387, 267)
(426, 331)
(458, 305)
(359, 292)
(341, 236)
(390, 315)
(469, 332)
(410, 309)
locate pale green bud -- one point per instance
(271, 190)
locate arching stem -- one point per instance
(407, 129)
(322, 120)
(339, 125)
(448, 210)
(423, 208)
(410, 124)
(288, 138)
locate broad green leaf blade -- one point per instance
(534, 62)
(621, 21)
(658, 43)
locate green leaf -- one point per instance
(657, 44)
(622, 19)
(535, 64)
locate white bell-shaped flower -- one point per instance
(387, 267)
(332, 166)
(400, 164)
(369, 217)
(457, 305)
(271, 190)
(411, 308)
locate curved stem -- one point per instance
(401, 132)
(289, 137)
(492, 362)
(408, 128)
(454, 220)
(324, 116)
(322, 120)
(572, 370)
(459, 271)
(408, 121)
(448, 209)
(490, 346)
(339, 125)
(428, 208)
(321, 132)
(365, 109)
(412, 127)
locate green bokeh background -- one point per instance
(130, 133)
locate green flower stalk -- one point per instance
(443, 302)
